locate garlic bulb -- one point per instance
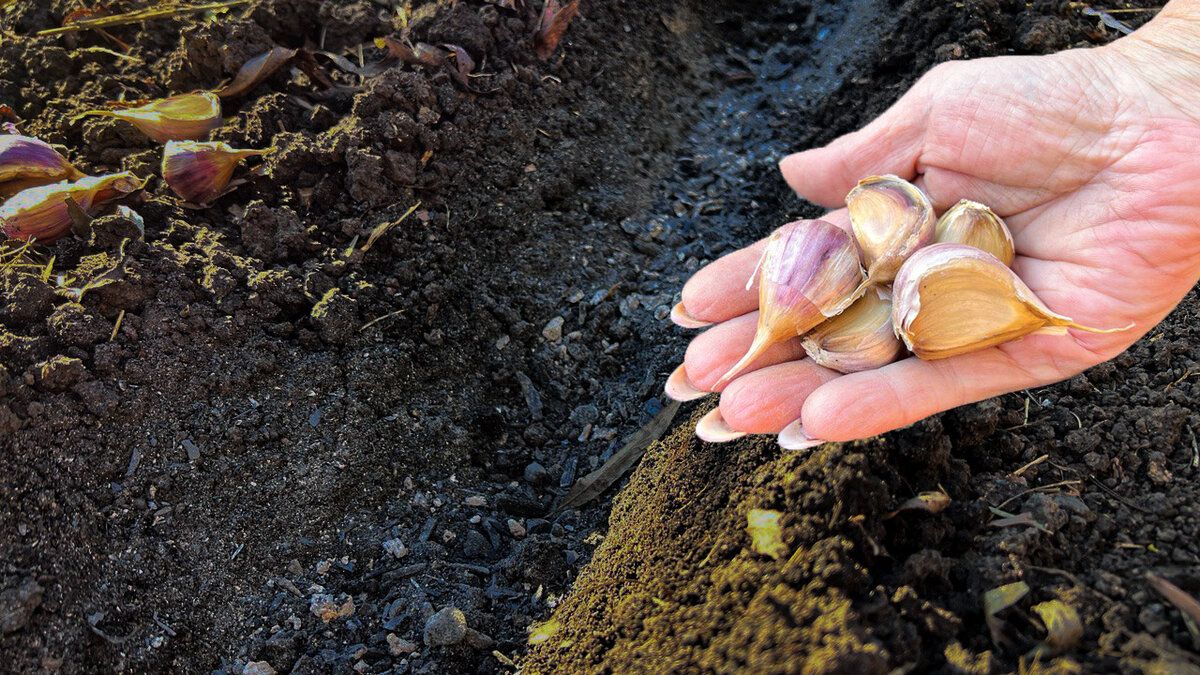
(974, 224)
(186, 117)
(808, 272)
(41, 213)
(27, 162)
(860, 338)
(891, 219)
(950, 299)
(199, 172)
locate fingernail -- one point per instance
(793, 438)
(682, 319)
(713, 428)
(680, 388)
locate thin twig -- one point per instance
(138, 16)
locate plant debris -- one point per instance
(1064, 629)
(595, 483)
(765, 533)
(551, 25)
(997, 600)
(1186, 604)
(931, 502)
(163, 11)
(257, 69)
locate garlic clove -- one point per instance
(714, 429)
(199, 172)
(860, 338)
(186, 117)
(974, 224)
(680, 388)
(27, 162)
(42, 213)
(950, 299)
(681, 318)
(808, 272)
(891, 218)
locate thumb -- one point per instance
(889, 144)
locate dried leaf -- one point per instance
(1064, 629)
(1108, 20)
(996, 601)
(1015, 520)
(1185, 603)
(551, 26)
(254, 71)
(595, 483)
(420, 55)
(384, 227)
(765, 533)
(932, 502)
(464, 65)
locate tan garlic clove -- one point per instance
(199, 172)
(42, 213)
(860, 338)
(27, 162)
(974, 224)
(891, 218)
(950, 299)
(186, 117)
(808, 273)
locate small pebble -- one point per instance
(398, 646)
(536, 474)
(515, 528)
(476, 500)
(395, 548)
(326, 608)
(553, 330)
(258, 668)
(447, 627)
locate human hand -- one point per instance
(1088, 155)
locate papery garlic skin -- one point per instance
(860, 338)
(809, 272)
(891, 218)
(199, 172)
(975, 224)
(41, 213)
(27, 162)
(186, 117)
(950, 299)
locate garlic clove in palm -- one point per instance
(808, 272)
(186, 117)
(42, 213)
(974, 224)
(860, 338)
(199, 172)
(891, 218)
(950, 299)
(27, 162)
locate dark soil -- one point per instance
(264, 444)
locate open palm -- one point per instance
(1088, 160)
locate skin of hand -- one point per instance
(1088, 155)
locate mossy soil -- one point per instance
(260, 422)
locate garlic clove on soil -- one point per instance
(891, 218)
(974, 224)
(860, 338)
(680, 388)
(186, 117)
(42, 213)
(808, 272)
(27, 162)
(950, 299)
(714, 429)
(199, 172)
(681, 318)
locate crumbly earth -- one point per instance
(266, 445)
